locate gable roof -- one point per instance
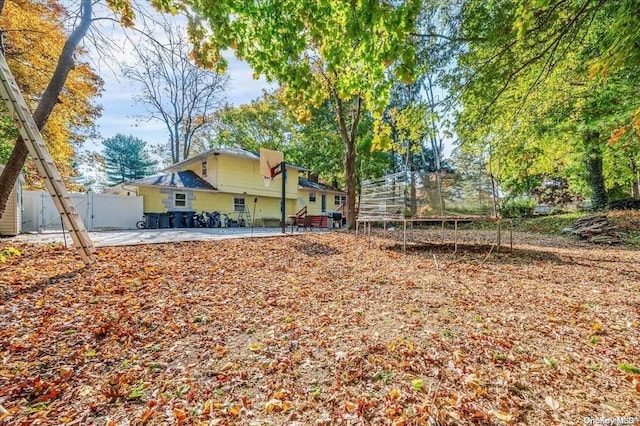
(309, 184)
(179, 180)
(233, 152)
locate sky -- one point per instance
(108, 47)
(120, 112)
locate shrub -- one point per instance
(517, 207)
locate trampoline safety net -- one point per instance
(415, 195)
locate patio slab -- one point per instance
(152, 236)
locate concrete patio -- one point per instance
(154, 236)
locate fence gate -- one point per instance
(97, 211)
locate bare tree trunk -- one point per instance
(635, 185)
(595, 178)
(179, 94)
(45, 106)
(349, 138)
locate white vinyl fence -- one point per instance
(98, 211)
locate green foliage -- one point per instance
(316, 144)
(263, 123)
(632, 237)
(127, 158)
(5, 150)
(346, 52)
(517, 207)
(8, 252)
(317, 50)
(136, 392)
(8, 135)
(540, 112)
(549, 224)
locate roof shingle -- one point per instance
(306, 183)
(183, 180)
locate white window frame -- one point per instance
(204, 168)
(176, 202)
(239, 207)
(312, 197)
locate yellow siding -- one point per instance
(152, 199)
(204, 201)
(195, 167)
(315, 208)
(239, 177)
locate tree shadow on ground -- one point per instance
(316, 249)
(479, 251)
(8, 292)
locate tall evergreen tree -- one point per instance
(127, 158)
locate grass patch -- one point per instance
(632, 237)
(551, 224)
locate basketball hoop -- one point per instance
(267, 181)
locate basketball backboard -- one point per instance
(268, 160)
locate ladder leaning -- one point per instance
(23, 119)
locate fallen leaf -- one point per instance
(65, 372)
(628, 368)
(179, 415)
(501, 415)
(596, 326)
(552, 403)
(146, 415)
(350, 407)
(273, 405)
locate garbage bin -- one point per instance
(188, 219)
(329, 221)
(337, 219)
(153, 220)
(177, 219)
(164, 220)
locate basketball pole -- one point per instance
(283, 170)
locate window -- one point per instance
(204, 168)
(238, 204)
(339, 199)
(179, 199)
(312, 197)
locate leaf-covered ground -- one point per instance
(321, 329)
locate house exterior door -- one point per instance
(323, 203)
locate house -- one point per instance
(11, 220)
(318, 197)
(227, 180)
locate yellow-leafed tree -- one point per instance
(34, 37)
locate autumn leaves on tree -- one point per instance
(33, 59)
(318, 51)
(544, 88)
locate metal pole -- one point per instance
(404, 240)
(455, 236)
(284, 194)
(255, 201)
